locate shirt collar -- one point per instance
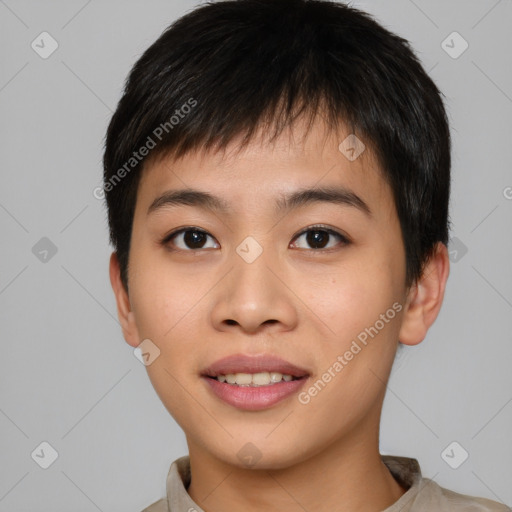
(405, 470)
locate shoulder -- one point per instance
(441, 499)
(176, 498)
(425, 495)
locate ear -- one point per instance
(124, 312)
(425, 298)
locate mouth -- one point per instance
(254, 379)
(254, 382)
(262, 370)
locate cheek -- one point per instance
(163, 295)
(357, 353)
(168, 304)
(349, 299)
(356, 304)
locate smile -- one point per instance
(255, 379)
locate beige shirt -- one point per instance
(423, 494)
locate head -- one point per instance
(254, 101)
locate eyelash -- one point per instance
(318, 227)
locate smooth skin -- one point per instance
(199, 303)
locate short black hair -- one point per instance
(229, 67)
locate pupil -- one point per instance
(314, 238)
(193, 239)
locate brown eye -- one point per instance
(319, 237)
(188, 239)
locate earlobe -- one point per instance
(124, 312)
(425, 298)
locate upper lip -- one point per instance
(240, 363)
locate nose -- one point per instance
(255, 296)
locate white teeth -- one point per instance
(244, 379)
(254, 379)
(276, 377)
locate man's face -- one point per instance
(260, 280)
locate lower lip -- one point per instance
(254, 398)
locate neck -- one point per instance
(348, 472)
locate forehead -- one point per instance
(262, 173)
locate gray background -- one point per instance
(68, 378)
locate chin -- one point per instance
(260, 455)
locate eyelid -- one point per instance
(167, 238)
(344, 238)
(324, 227)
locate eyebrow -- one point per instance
(285, 203)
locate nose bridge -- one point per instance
(253, 294)
(252, 279)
